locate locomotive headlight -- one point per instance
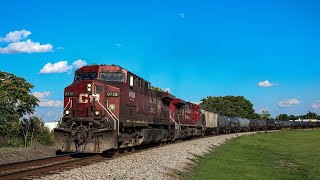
(67, 112)
(89, 87)
(97, 113)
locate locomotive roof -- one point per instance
(94, 66)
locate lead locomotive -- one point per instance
(108, 107)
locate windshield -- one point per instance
(86, 76)
(115, 76)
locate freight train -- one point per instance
(108, 107)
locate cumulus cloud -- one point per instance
(167, 90)
(62, 66)
(58, 67)
(316, 105)
(15, 36)
(26, 47)
(46, 102)
(50, 103)
(266, 83)
(288, 102)
(60, 48)
(41, 95)
(79, 63)
(17, 46)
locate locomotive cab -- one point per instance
(90, 121)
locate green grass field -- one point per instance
(281, 155)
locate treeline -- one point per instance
(238, 106)
(309, 115)
(18, 125)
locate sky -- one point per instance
(266, 51)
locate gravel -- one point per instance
(10, 155)
(156, 163)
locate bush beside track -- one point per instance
(283, 155)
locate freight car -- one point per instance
(109, 107)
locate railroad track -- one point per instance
(35, 168)
(45, 166)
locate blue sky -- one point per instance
(194, 48)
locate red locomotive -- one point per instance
(108, 107)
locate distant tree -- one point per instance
(292, 117)
(265, 115)
(283, 117)
(235, 106)
(156, 88)
(25, 130)
(310, 115)
(34, 130)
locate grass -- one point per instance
(281, 155)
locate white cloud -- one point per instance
(26, 47)
(15, 36)
(316, 105)
(58, 67)
(62, 66)
(79, 63)
(288, 102)
(60, 48)
(51, 125)
(17, 46)
(50, 103)
(181, 15)
(266, 83)
(167, 90)
(196, 102)
(46, 102)
(41, 95)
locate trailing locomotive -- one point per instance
(108, 107)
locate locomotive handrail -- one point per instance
(70, 100)
(114, 117)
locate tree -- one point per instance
(18, 93)
(156, 88)
(265, 115)
(235, 106)
(310, 115)
(16, 100)
(34, 130)
(284, 117)
(292, 117)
